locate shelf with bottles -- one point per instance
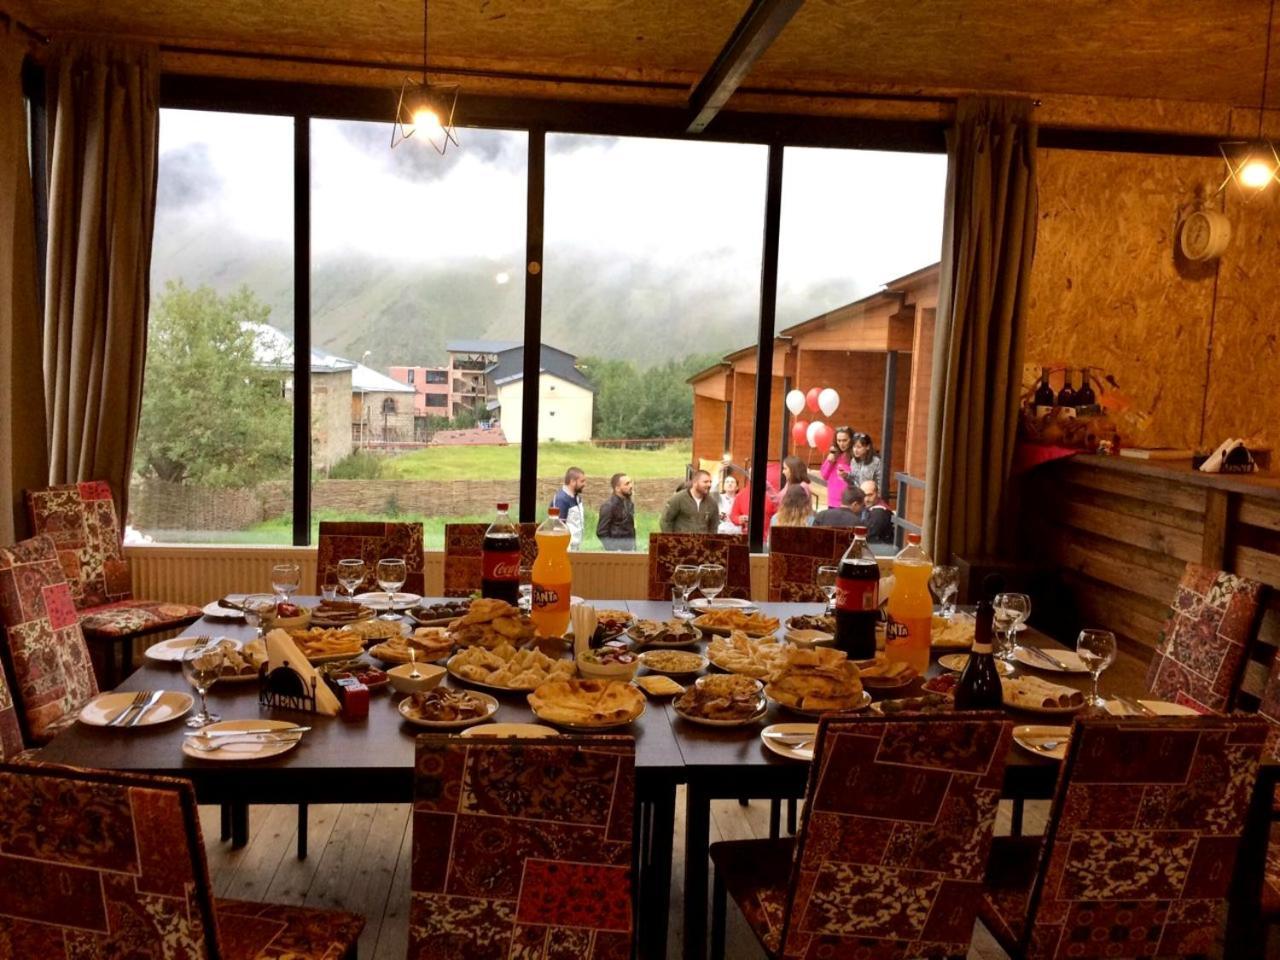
(1081, 414)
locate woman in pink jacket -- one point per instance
(838, 460)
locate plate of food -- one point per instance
(726, 621)
(663, 633)
(506, 669)
(241, 663)
(339, 613)
(958, 661)
(658, 685)
(610, 623)
(1036, 695)
(739, 653)
(321, 644)
(490, 623)
(510, 731)
(172, 651)
(795, 741)
(613, 661)
(676, 663)
(955, 633)
(723, 700)
(822, 622)
(587, 704)
(365, 673)
(381, 600)
(438, 614)
(885, 674)
(702, 604)
(817, 681)
(927, 703)
(809, 638)
(444, 709)
(374, 631)
(1043, 741)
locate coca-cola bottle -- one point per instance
(857, 599)
(501, 564)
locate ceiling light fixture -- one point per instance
(1254, 164)
(425, 108)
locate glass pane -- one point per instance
(417, 300)
(652, 275)
(214, 455)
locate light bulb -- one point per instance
(426, 120)
(1256, 173)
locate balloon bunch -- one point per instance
(815, 434)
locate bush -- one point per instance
(360, 465)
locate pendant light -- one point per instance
(425, 108)
(1253, 165)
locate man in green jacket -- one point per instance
(692, 510)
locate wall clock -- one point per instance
(1205, 235)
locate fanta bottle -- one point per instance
(552, 577)
(910, 608)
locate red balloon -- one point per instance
(799, 429)
(811, 398)
(822, 436)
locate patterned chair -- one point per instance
(796, 553)
(10, 729)
(463, 560)
(371, 542)
(1269, 709)
(891, 869)
(522, 848)
(81, 519)
(46, 653)
(120, 872)
(668, 550)
(1141, 843)
(1202, 647)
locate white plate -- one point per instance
(1047, 711)
(504, 731)
(722, 603)
(498, 688)
(1027, 734)
(1069, 657)
(215, 611)
(1163, 707)
(805, 639)
(787, 750)
(105, 707)
(378, 600)
(860, 705)
(488, 701)
(171, 651)
(739, 722)
(255, 748)
(957, 661)
(648, 665)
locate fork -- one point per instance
(139, 699)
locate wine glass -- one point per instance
(825, 579)
(391, 575)
(256, 606)
(711, 578)
(285, 580)
(350, 575)
(1010, 609)
(945, 582)
(683, 578)
(1097, 650)
(202, 665)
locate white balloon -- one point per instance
(828, 401)
(816, 425)
(795, 402)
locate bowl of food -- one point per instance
(403, 679)
(610, 662)
(810, 638)
(674, 662)
(287, 616)
(372, 677)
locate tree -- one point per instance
(213, 405)
(634, 403)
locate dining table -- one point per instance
(371, 760)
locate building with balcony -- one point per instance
(430, 386)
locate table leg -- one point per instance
(239, 824)
(656, 878)
(1246, 935)
(697, 838)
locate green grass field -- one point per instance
(503, 463)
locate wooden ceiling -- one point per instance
(1174, 50)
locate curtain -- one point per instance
(103, 136)
(987, 248)
(23, 459)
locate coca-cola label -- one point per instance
(857, 596)
(501, 566)
(550, 596)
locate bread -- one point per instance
(659, 686)
(1033, 693)
(817, 679)
(586, 703)
(738, 653)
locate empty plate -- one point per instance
(377, 600)
(1068, 658)
(254, 745)
(791, 740)
(1163, 708)
(957, 661)
(106, 707)
(721, 603)
(1043, 741)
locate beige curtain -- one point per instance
(103, 130)
(988, 245)
(23, 459)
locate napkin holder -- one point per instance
(284, 688)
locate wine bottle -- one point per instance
(1086, 402)
(979, 686)
(1067, 396)
(1044, 395)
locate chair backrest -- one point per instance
(371, 542)
(1202, 648)
(463, 555)
(796, 553)
(896, 832)
(10, 729)
(48, 658)
(119, 871)
(1143, 835)
(668, 550)
(81, 519)
(522, 843)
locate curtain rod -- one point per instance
(34, 34)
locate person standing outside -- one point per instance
(616, 527)
(838, 461)
(864, 464)
(692, 510)
(568, 500)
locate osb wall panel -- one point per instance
(1107, 292)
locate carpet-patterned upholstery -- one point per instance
(464, 555)
(522, 849)
(10, 729)
(1202, 647)
(52, 674)
(132, 618)
(111, 866)
(750, 870)
(371, 542)
(1142, 842)
(796, 553)
(669, 550)
(81, 519)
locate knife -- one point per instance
(1046, 658)
(1137, 707)
(142, 711)
(211, 734)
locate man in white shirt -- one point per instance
(569, 501)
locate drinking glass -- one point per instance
(256, 606)
(350, 575)
(1097, 650)
(201, 666)
(825, 579)
(391, 576)
(1011, 609)
(684, 578)
(329, 586)
(945, 582)
(711, 578)
(285, 579)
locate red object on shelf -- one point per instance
(1029, 455)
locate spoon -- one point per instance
(414, 674)
(1045, 746)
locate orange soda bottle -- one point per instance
(910, 607)
(552, 577)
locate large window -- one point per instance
(214, 451)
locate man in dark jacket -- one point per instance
(848, 514)
(616, 527)
(692, 509)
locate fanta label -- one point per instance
(551, 596)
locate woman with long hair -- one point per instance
(838, 459)
(795, 508)
(864, 463)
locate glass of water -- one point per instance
(350, 575)
(825, 580)
(945, 581)
(1097, 650)
(201, 666)
(684, 579)
(391, 575)
(285, 580)
(711, 580)
(1011, 610)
